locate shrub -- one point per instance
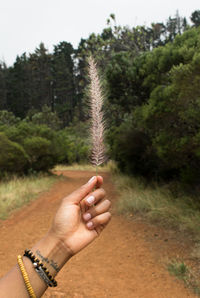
(8, 118)
(41, 157)
(13, 158)
(73, 148)
(45, 117)
(45, 147)
(132, 150)
(41, 144)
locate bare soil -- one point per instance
(127, 260)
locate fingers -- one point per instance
(102, 207)
(99, 221)
(94, 197)
(97, 217)
(99, 181)
(85, 189)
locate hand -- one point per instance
(82, 216)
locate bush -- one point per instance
(132, 149)
(13, 158)
(8, 118)
(42, 145)
(41, 156)
(45, 148)
(73, 148)
(45, 117)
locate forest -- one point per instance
(151, 78)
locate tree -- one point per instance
(161, 133)
(63, 83)
(3, 87)
(40, 77)
(18, 87)
(195, 18)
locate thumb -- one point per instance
(85, 189)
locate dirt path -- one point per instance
(126, 261)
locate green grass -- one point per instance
(17, 192)
(158, 204)
(183, 272)
(178, 269)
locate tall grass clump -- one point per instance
(17, 192)
(158, 204)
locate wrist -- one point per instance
(52, 252)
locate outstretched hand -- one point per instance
(82, 215)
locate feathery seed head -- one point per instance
(97, 122)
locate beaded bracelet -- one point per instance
(25, 277)
(41, 269)
(43, 275)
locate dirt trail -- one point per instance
(126, 261)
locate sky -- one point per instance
(24, 24)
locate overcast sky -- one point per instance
(26, 23)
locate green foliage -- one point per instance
(130, 148)
(151, 80)
(195, 18)
(180, 270)
(161, 137)
(40, 79)
(13, 158)
(75, 144)
(8, 118)
(41, 157)
(183, 272)
(44, 147)
(46, 117)
(41, 144)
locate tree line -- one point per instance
(58, 79)
(150, 76)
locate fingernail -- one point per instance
(90, 200)
(87, 216)
(91, 179)
(89, 224)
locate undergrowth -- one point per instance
(167, 205)
(108, 167)
(158, 204)
(183, 272)
(18, 191)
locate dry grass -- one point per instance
(19, 191)
(85, 167)
(158, 204)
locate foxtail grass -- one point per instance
(97, 122)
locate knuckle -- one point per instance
(108, 202)
(102, 192)
(92, 211)
(83, 187)
(109, 215)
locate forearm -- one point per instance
(53, 255)
(71, 225)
